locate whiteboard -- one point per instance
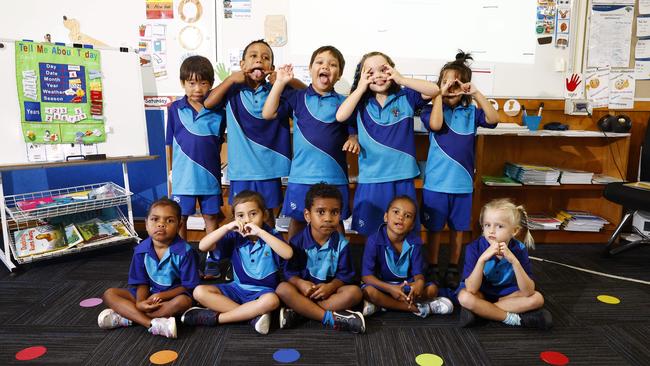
(126, 130)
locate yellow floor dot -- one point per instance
(429, 359)
(163, 357)
(608, 299)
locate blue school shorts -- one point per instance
(239, 295)
(406, 288)
(371, 202)
(439, 208)
(492, 296)
(210, 205)
(270, 189)
(294, 201)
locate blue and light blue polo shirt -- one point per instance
(498, 274)
(382, 260)
(320, 263)
(317, 137)
(450, 161)
(178, 267)
(387, 137)
(257, 149)
(195, 138)
(255, 264)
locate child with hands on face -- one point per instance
(383, 102)
(392, 267)
(255, 251)
(497, 277)
(320, 275)
(320, 142)
(162, 275)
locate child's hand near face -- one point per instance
(451, 88)
(491, 251)
(365, 79)
(284, 74)
(469, 88)
(393, 74)
(238, 77)
(506, 253)
(251, 229)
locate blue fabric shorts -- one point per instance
(209, 204)
(406, 289)
(371, 202)
(490, 295)
(439, 208)
(270, 189)
(294, 201)
(239, 295)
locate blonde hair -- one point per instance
(518, 217)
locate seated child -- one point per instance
(255, 250)
(497, 275)
(392, 267)
(320, 273)
(162, 275)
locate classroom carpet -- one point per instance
(39, 306)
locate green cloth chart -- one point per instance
(60, 94)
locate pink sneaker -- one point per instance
(165, 327)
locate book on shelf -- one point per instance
(573, 220)
(96, 229)
(575, 176)
(604, 179)
(543, 222)
(489, 180)
(38, 240)
(72, 235)
(639, 185)
(530, 174)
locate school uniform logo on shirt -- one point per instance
(395, 112)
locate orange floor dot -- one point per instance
(163, 357)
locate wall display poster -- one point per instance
(152, 48)
(160, 9)
(60, 94)
(545, 23)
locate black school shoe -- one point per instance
(350, 321)
(289, 318)
(200, 316)
(431, 275)
(541, 319)
(451, 278)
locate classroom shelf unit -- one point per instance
(16, 218)
(594, 152)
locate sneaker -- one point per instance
(289, 318)
(109, 319)
(441, 305)
(351, 321)
(262, 323)
(369, 308)
(200, 316)
(452, 278)
(212, 271)
(424, 310)
(467, 318)
(541, 319)
(165, 327)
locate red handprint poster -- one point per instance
(573, 86)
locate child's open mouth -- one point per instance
(324, 78)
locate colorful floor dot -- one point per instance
(89, 303)
(554, 358)
(429, 359)
(286, 355)
(30, 353)
(608, 299)
(163, 357)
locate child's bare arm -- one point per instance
(217, 94)
(209, 242)
(435, 121)
(283, 76)
(350, 103)
(326, 289)
(395, 291)
(524, 282)
(426, 88)
(491, 115)
(283, 249)
(169, 294)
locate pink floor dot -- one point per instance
(30, 353)
(89, 303)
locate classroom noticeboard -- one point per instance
(60, 93)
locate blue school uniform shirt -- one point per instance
(255, 264)
(177, 267)
(387, 137)
(195, 138)
(450, 161)
(317, 137)
(383, 261)
(257, 149)
(320, 263)
(498, 273)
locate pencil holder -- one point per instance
(532, 122)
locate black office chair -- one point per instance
(632, 200)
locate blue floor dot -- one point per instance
(286, 355)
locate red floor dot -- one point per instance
(554, 358)
(30, 353)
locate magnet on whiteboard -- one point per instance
(494, 103)
(511, 107)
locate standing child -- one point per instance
(383, 111)
(259, 151)
(255, 250)
(392, 266)
(194, 138)
(497, 275)
(449, 173)
(319, 142)
(162, 275)
(320, 273)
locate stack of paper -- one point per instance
(499, 181)
(532, 174)
(581, 221)
(543, 222)
(502, 128)
(604, 179)
(574, 176)
(195, 223)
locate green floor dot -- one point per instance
(429, 359)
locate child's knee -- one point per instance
(466, 299)
(285, 289)
(109, 294)
(370, 293)
(355, 293)
(269, 302)
(200, 292)
(537, 300)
